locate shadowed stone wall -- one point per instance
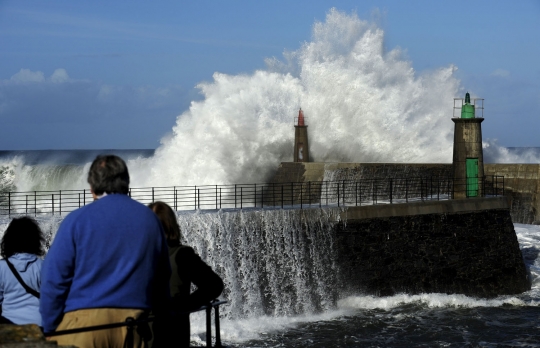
(475, 253)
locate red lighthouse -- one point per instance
(301, 148)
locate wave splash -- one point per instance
(362, 104)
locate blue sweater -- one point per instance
(17, 305)
(111, 253)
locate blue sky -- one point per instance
(116, 74)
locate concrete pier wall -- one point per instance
(521, 180)
(459, 246)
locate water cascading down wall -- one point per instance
(274, 262)
(281, 262)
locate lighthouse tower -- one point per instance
(468, 159)
(301, 148)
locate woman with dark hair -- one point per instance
(187, 268)
(20, 272)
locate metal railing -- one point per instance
(132, 323)
(268, 195)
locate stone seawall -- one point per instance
(521, 185)
(461, 246)
(521, 180)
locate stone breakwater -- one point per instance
(475, 253)
(521, 181)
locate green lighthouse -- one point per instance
(468, 158)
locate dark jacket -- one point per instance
(187, 268)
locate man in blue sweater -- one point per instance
(109, 261)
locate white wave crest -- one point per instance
(362, 104)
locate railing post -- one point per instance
(309, 193)
(356, 193)
(375, 193)
(320, 196)
(241, 197)
(234, 196)
(52, 199)
(431, 187)
(216, 321)
(326, 184)
(208, 326)
(220, 198)
(338, 194)
(60, 203)
(373, 198)
(152, 194)
(26, 205)
(216, 197)
(438, 186)
(360, 193)
(390, 190)
(273, 194)
(9, 203)
(195, 198)
(199, 198)
(344, 193)
(292, 194)
(175, 197)
(35, 203)
(255, 196)
(406, 190)
(79, 199)
(301, 189)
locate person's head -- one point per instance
(108, 174)
(168, 219)
(23, 235)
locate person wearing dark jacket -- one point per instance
(187, 268)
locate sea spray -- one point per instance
(362, 103)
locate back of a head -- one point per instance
(108, 174)
(23, 235)
(168, 219)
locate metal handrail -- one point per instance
(267, 195)
(131, 323)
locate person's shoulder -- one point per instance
(128, 202)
